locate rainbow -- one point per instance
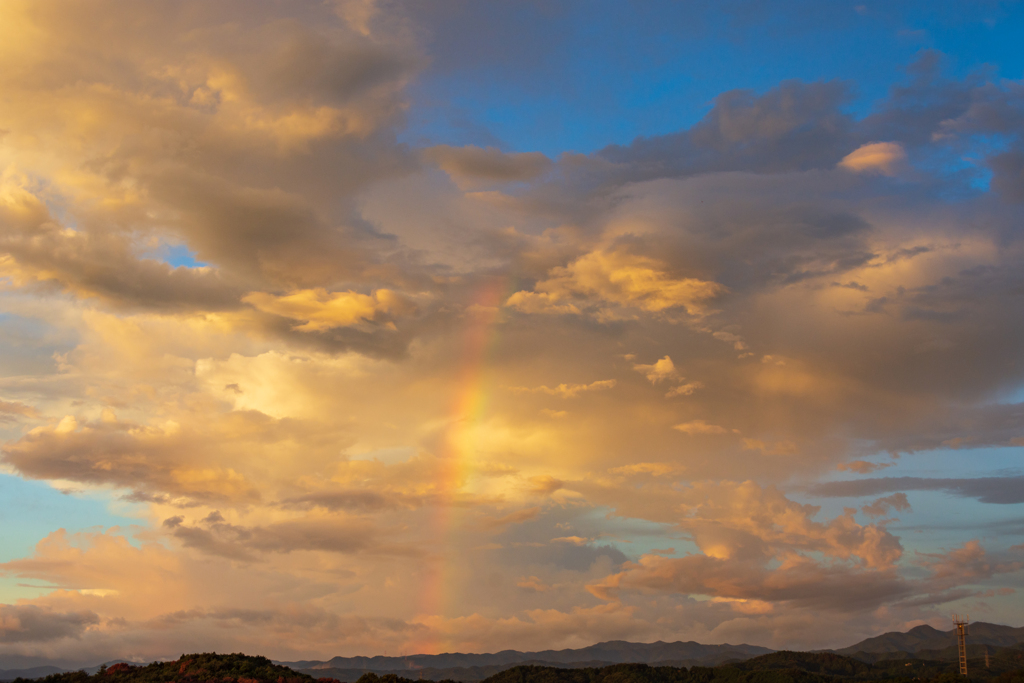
(458, 454)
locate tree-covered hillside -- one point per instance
(777, 667)
(197, 668)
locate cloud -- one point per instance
(351, 500)
(322, 400)
(545, 484)
(474, 164)
(882, 506)
(534, 584)
(794, 126)
(862, 466)
(695, 427)
(776, 448)
(31, 624)
(43, 254)
(17, 408)
(802, 582)
(517, 517)
(665, 370)
(134, 456)
(659, 371)
(614, 285)
(684, 389)
(656, 469)
(310, 534)
(968, 563)
(885, 158)
(996, 490)
(566, 390)
(318, 310)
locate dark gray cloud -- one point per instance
(335, 535)
(488, 164)
(354, 500)
(796, 126)
(571, 556)
(1008, 174)
(806, 584)
(105, 265)
(998, 490)
(31, 624)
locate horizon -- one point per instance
(440, 654)
(442, 326)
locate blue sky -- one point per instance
(565, 76)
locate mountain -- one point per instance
(611, 652)
(927, 638)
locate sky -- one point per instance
(357, 327)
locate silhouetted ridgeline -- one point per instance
(198, 668)
(777, 667)
(610, 652)
(924, 638)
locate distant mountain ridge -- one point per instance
(612, 652)
(925, 637)
(931, 643)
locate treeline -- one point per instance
(778, 667)
(199, 668)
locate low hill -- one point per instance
(610, 652)
(466, 674)
(927, 638)
(197, 668)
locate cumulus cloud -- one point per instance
(133, 456)
(665, 370)
(318, 310)
(615, 284)
(659, 371)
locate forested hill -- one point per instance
(197, 668)
(927, 638)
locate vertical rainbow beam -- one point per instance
(458, 454)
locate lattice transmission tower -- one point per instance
(961, 640)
